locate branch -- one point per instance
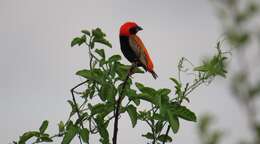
(52, 137)
(167, 132)
(118, 103)
(76, 105)
(151, 126)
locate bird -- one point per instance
(133, 47)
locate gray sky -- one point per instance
(38, 65)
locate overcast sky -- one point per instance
(38, 65)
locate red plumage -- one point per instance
(133, 47)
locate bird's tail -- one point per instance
(154, 74)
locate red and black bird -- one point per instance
(133, 47)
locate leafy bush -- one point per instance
(108, 81)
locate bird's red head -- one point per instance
(129, 28)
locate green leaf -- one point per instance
(78, 41)
(26, 136)
(101, 109)
(69, 124)
(122, 109)
(121, 70)
(132, 95)
(127, 86)
(144, 115)
(61, 127)
(86, 32)
(183, 112)
(164, 138)
(177, 83)
(98, 108)
(139, 86)
(73, 108)
(215, 66)
(84, 134)
(164, 91)
(46, 138)
(131, 110)
(95, 75)
(70, 134)
(148, 135)
(102, 129)
(99, 37)
(112, 70)
(98, 33)
(108, 92)
(158, 126)
(164, 104)
(114, 58)
(75, 41)
(158, 117)
(147, 90)
(102, 41)
(85, 73)
(101, 52)
(149, 98)
(137, 70)
(174, 121)
(43, 126)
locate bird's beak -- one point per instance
(139, 28)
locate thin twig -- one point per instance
(153, 131)
(117, 109)
(51, 137)
(76, 105)
(74, 100)
(163, 127)
(151, 126)
(167, 132)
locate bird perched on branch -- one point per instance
(133, 47)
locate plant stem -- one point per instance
(52, 137)
(118, 103)
(76, 105)
(153, 131)
(151, 126)
(167, 132)
(74, 100)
